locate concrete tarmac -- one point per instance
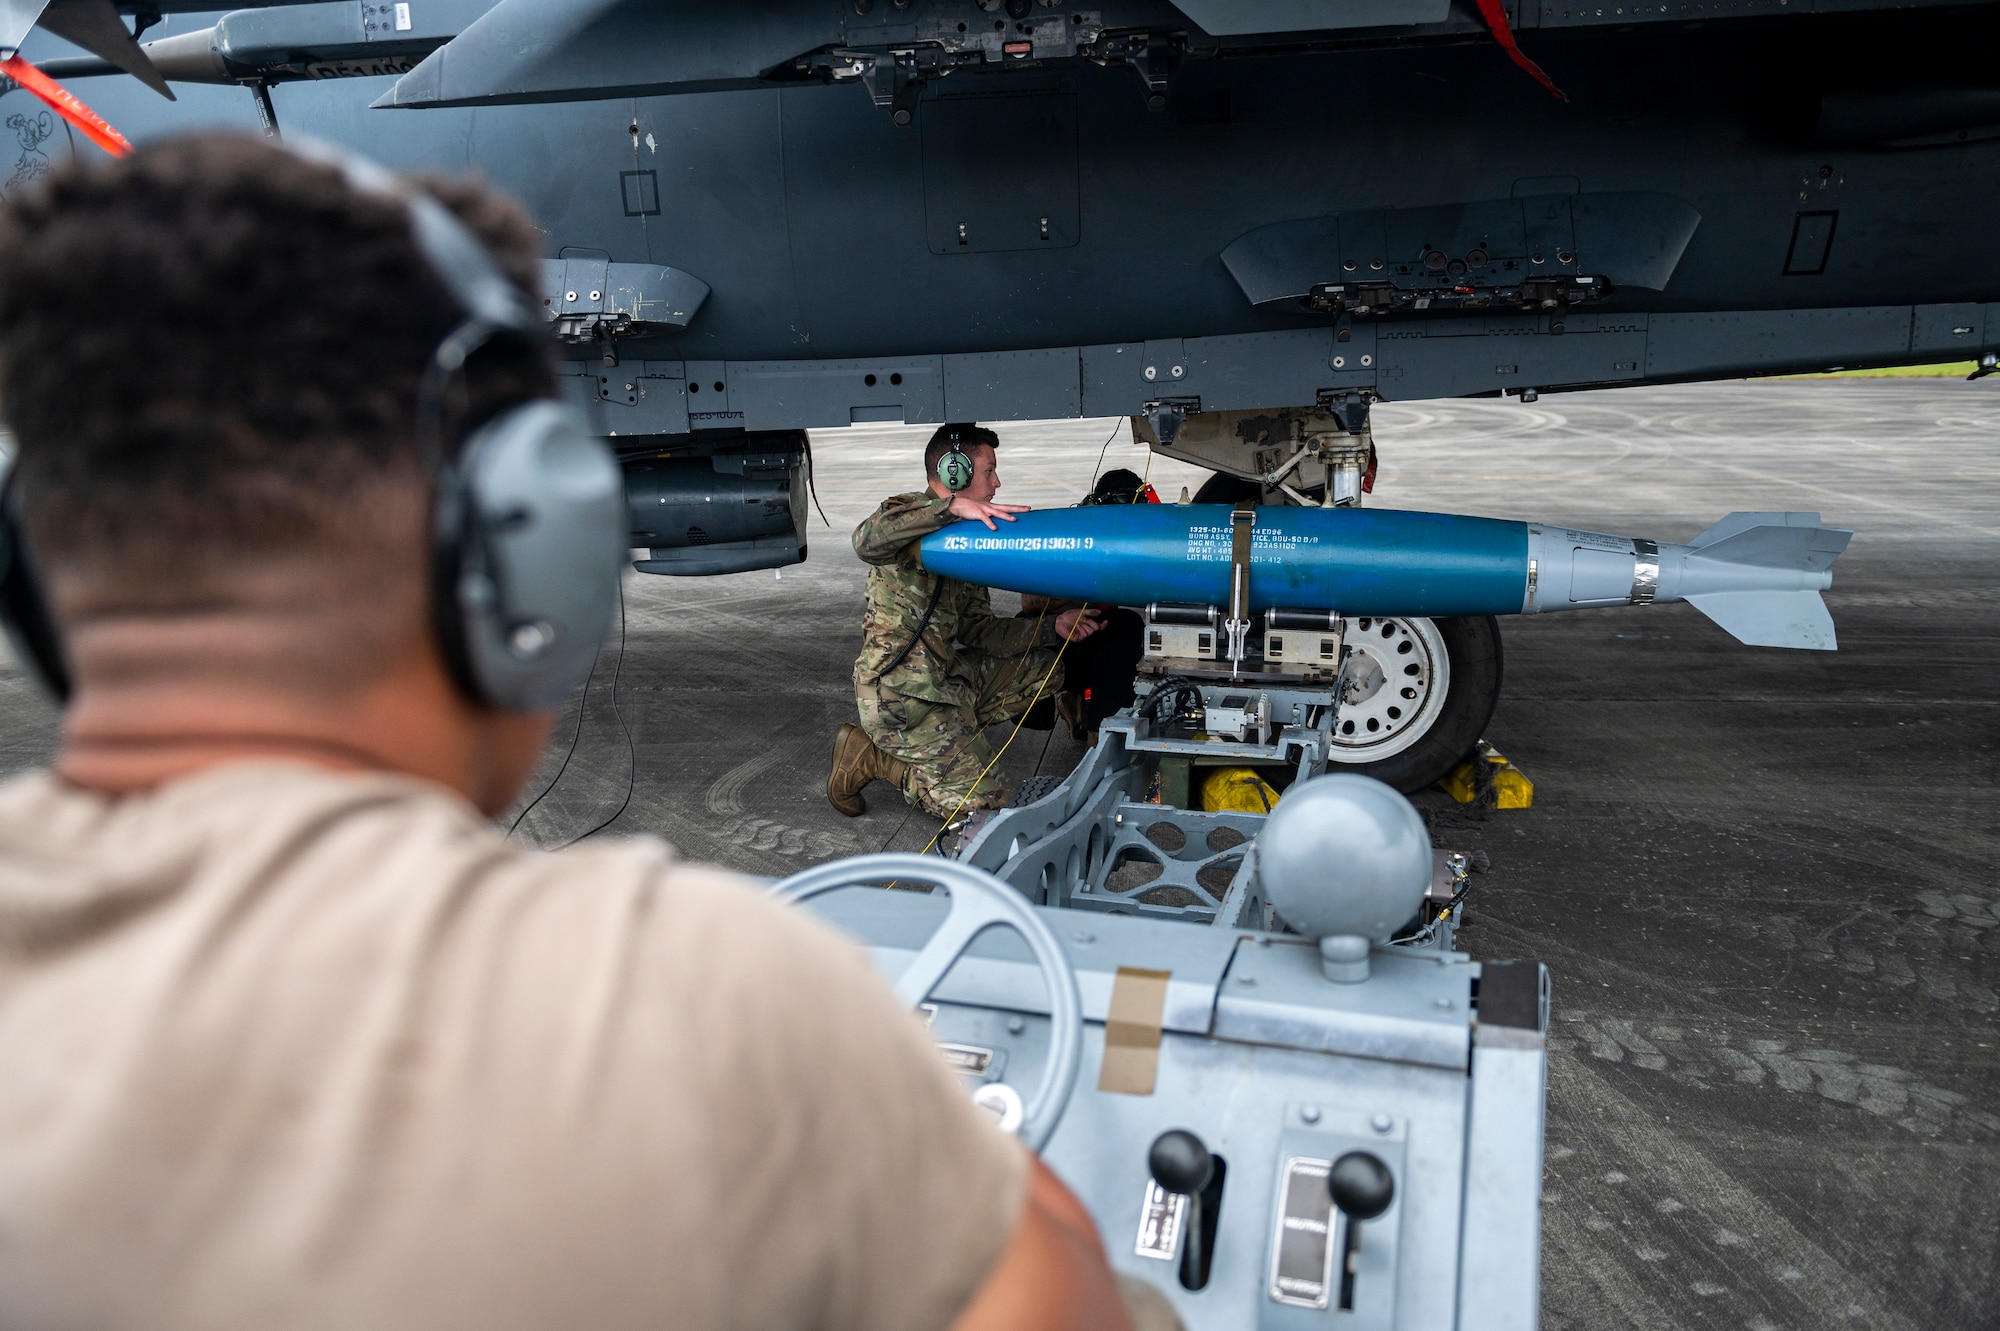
(1761, 878)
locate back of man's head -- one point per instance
(210, 357)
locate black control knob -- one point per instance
(1181, 1163)
(1360, 1183)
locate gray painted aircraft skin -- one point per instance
(1784, 190)
(1238, 223)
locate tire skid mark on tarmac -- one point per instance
(1914, 599)
(1586, 1269)
(1738, 815)
(1894, 940)
(1628, 1232)
(1706, 1054)
(738, 828)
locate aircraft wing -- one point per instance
(94, 25)
(616, 48)
(519, 52)
(278, 41)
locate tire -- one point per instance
(1032, 789)
(1222, 488)
(1472, 669)
(1426, 751)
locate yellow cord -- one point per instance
(1067, 637)
(1017, 725)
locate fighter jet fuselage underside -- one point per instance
(803, 213)
(1239, 224)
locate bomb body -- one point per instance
(1758, 575)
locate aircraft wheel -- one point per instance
(1422, 696)
(1417, 694)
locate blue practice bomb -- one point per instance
(1758, 575)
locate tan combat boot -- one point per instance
(856, 762)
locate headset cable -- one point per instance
(575, 734)
(631, 753)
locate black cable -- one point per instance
(574, 735)
(1012, 735)
(1429, 930)
(812, 482)
(909, 812)
(631, 754)
(930, 608)
(1010, 739)
(1175, 691)
(1094, 471)
(1045, 754)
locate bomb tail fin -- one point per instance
(1759, 576)
(1796, 619)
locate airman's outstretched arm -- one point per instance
(904, 519)
(984, 510)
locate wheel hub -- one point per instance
(1392, 688)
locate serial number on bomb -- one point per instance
(1019, 543)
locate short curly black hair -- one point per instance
(215, 342)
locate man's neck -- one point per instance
(127, 737)
(133, 725)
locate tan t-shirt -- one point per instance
(281, 1048)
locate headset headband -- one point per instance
(457, 257)
(461, 263)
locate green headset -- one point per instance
(954, 469)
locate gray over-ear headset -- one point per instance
(529, 534)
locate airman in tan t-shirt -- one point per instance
(290, 1036)
(291, 1048)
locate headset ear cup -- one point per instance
(529, 556)
(954, 469)
(448, 568)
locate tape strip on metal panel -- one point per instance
(1132, 1031)
(1645, 571)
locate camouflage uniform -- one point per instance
(970, 670)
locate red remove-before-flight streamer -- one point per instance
(64, 103)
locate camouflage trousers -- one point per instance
(945, 744)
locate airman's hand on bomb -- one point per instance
(980, 510)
